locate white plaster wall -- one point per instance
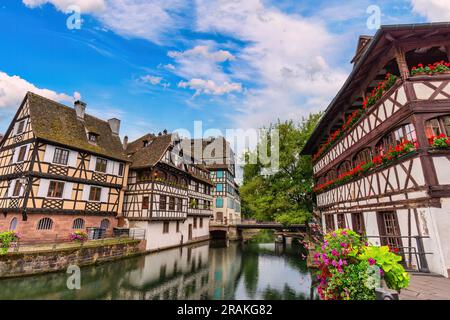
(439, 228)
(154, 235)
(443, 173)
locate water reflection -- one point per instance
(215, 270)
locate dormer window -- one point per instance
(145, 143)
(92, 137)
(20, 127)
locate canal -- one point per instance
(259, 269)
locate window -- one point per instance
(121, 167)
(104, 224)
(171, 203)
(17, 189)
(341, 221)
(437, 126)
(22, 152)
(78, 223)
(179, 204)
(145, 202)
(178, 226)
(92, 137)
(363, 156)
(358, 223)
(329, 222)
(13, 224)
(389, 229)
(100, 166)
(45, 224)
(94, 194)
(219, 187)
(195, 222)
(219, 203)
(331, 175)
(166, 227)
(394, 138)
(20, 127)
(344, 167)
(201, 223)
(162, 202)
(219, 174)
(61, 156)
(55, 189)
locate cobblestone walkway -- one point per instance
(426, 287)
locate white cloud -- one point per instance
(154, 80)
(151, 79)
(210, 87)
(203, 51)
(433, 10)
(14, 88)
(288, 57)
(62, 5)
(147, 19)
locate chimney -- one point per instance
(165, 131)
(80, 108)
(125, 143)
(114, 124)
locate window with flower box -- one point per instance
(362, 156)
(344, 167)
(437, 126)
(396, 137)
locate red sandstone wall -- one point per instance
(62, 225)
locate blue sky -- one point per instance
(163, 64)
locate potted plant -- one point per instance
(350, 268)
(78, 236)
(6, 239)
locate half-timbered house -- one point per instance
(166, 195)
(378, 165)
(61, 170)
(219, 159)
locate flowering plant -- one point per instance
(431, 69)
(79, 236)
(370, 100)
(351, 269)
(393, 153)
(6, 238)
(441, 141)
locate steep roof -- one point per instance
(55, 122)
(370, 52)
(150, 155)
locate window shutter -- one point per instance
(104, 195)
(43, 188)
(68, 187)
(73, 156)
(92, 163)
(49, 153)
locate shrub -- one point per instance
(6, 238)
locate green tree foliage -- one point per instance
(285, 196)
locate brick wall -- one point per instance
(20, 264)
(62, 225)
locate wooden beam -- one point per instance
(401, 62)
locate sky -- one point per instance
(163, 64)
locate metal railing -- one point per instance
(411, 254)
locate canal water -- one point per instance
(259, 269)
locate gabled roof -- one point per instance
(369, 55)
(55, 122)
(148, 156)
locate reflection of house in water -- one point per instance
(180, 273)
(194, 272)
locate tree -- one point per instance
(285, 196)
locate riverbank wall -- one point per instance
(16, 264)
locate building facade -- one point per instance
(61, 170)
(219, 159)
(166, 195)
(378, 167)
